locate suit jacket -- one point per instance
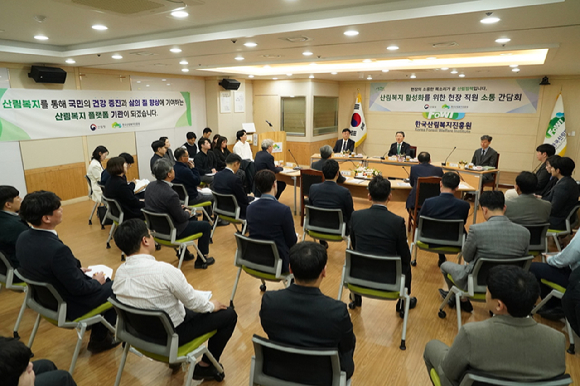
(317, 165)
(519, 349)
(44, 257)
(339, 143)
(377, 231)
(204, 163)
(265, 160)
(405, 149)
(153, 160)
(527, 209)
(421, 170)
(118, 189)
(543, 177)
(331, 196)
(269, 219)
(548, 188)
(489, 159)
(304, 316)
(161, 198)
(445, 207)
(187, 177)
(563, 196)
(11, 226)
(226, 182)
(169, 156)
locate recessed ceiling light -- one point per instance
(444, 68)
(502, 40)
(179, 14)
(267, 66)
(334, 73)
(351, 33)
(516, 70)
(307, 53)
(454, 71)
(367, 61)
(70, 61)
(138, 81)
(288, 74)
(311, 76)
(275, 78)
(369, 77)
(184, 62)
(239, 57)
(169, 84)
(175, 50)
(250, 76)
(146, 85)
(490, 20)
(100, 27)
(185, 69)
(116, 56)
(413, 76)
(385, 70)
(513, 65)
(462, 75)
(313, 64)
(250, 44)
(431, 58)
(163, 80)
(40, 37)
(392, 48)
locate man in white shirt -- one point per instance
(143, 282)
(242, 148)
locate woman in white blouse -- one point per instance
(242, 148)
(94, 171)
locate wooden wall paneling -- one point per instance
(304, 150)
(276, 136)
(66, 181)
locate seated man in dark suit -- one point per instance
(205, 160)
(301, 315)
(159, 149)
(399, 147)
(424, 169)
(329, 195)
(44, 257)
(550, 185)
(508, 345)
(345, 144)
(269, 219)
(325, 155)
(543, 152)
(446, 206)
(485, 156)
(189, 177)
(564, 194)
(161, 198)
(571, 301)
(227, 182)
(11, 225)
(526, 208)
(377, 231)
(265, 160)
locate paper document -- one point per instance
(108, 271)
(402, 183)
(463, 185)
(205, 190)
(141, 185)
(209, 174)
(205, 294)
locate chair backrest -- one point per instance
(181, 192)
(161, 225)
(476, 378)
(309, 177)
(537, 236)
(427, 187)
(226, 205)
(90, 185)
(261, 255)
(442, 232)
(278, 364)
(572, 220)
(324, 220)
(413, 152)
(114, 211)
(376, 272)
(44, 298)
(478, 278)
(148, 330)
(7, 273)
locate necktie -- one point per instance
(344, 145)
(483, 152)
(398, 148)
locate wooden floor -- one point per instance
(377, 358)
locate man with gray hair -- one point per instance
(161, 198)
(325, 154)
(265, 160)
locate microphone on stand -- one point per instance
(445, 162)
(294, 158)
(408, 179)
(268, 123)
(383, 156)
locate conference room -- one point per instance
(405, 79)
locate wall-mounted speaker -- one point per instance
(230, 84)
(47, 74)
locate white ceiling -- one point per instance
(214, 33)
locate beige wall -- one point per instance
(52, 152)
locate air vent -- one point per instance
(142, 53)
(298, 39)
(445, 44)
(271, 56)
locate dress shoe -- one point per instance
(451, 301)
(222, 223)
(208, 372)
(200, 264)
(555, 313)
(97, 346)
(323, 242)
(188, 255)
(466, 305)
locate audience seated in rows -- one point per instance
(190, 145)
(325, 155)
(564, 194)
(117, 188)
(227, 182)
(205, 161)
(556, 269)
(301, 315)
(423, 169)
(446, 206)
(508, 345)
(130, 162)
(189, 177)
(11, 225)
(543, 152)
(44, 257)
(571, 301)
(386, 237)
(161, 198)
(94, 171)
(265, 160)
(16, 369)
(269, 219)
(496, 238)
(143, 282)
(526, 208)
(159, 151)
